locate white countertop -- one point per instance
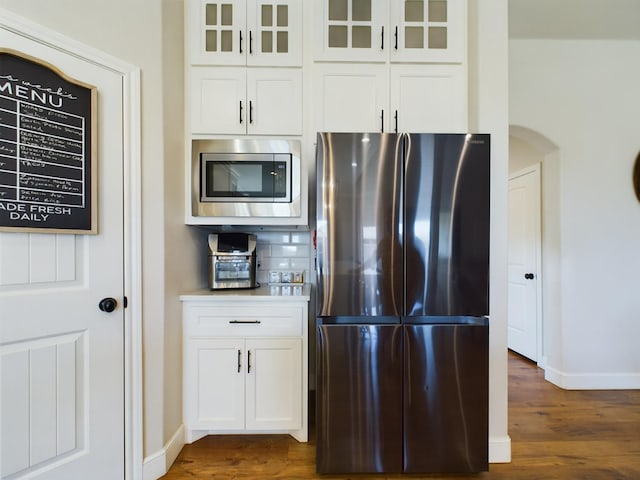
(293, 292)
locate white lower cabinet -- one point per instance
(245, 369)
(244, 384)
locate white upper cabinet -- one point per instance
(400, 98)
(351, 30)
(428, 98)
(351, 98)
(246, 32)
(390, 30)
(427, 31)
(238, 100)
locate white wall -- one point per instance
(583, 96)
(184, 249)
(522, 155)
(488, 113)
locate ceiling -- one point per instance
(575, 19)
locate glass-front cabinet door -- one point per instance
(390, 30)
(351, 30)
(275, 33)
(246, 32)
(427, 30)
(218, 32)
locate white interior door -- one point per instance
(62, 359)
(524, 263)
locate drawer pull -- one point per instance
(245, 321)
(239, 360)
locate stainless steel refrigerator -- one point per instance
(402, 302)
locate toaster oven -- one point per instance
(232, 260)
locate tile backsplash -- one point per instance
(285, 252)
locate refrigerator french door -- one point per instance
(402, 268)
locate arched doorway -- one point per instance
(534, 243)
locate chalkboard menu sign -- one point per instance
(47, 148)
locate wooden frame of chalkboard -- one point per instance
(48, 146)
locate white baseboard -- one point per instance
(500, 449)
(592, 381)
(158, 464)
(542, 362)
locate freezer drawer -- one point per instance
(359, 399)
(446, 396)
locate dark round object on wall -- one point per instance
(636, 177)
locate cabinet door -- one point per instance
(350, 30)
(275, 33)
(429, 98)
(218, 100)
(427, 31)
(274, 101)
(351, 98)
(214, 376)
(274, 384)
(217, 32)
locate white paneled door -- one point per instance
(524, 261)
(62, 358)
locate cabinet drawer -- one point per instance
(243, 321)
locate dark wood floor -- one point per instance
(555, 434)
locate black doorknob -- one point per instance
(529, 276)
(108, 304)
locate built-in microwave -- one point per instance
(244, 177)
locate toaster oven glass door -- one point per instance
(246, 177)
(232, 269)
